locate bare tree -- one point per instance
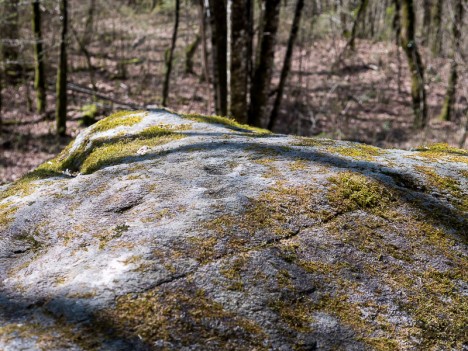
(170, 55)
(447, 108)
(396, 24)
(206, 70)
(1, 101)
(408, 42)
(287, 63)
(190, 53)
(89, 24)
(436, 24)
(260, 89)
(61, 108)
(10, 31)
(359, 16)
(39, 76)
(239, 17)
(426, 21)
(218, 22)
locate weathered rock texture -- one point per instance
(166, 232)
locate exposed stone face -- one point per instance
(164, 232)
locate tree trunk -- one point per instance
(408, 44)
(447, 108)
(397, 28)
(287, 63)
(258, 51)
(426, 21)
(10, 31)
(190, 53)
(437, 27)
(206, 71)
(39, 80)
(61, 108)
(218, 21)
(260, 89)
(1, 101)
(360, 14)
(89, 30)
(239, 14)
(170, 55)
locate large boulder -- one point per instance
(159, 231)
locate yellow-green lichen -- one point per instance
(299, 165)
(108, 235)
(227, 122)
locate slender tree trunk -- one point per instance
(190, 53)
(287, 63)
(89, 25)
(343, 21)
(239, 12)
(10, 31)
(206, 71)
(202, 14)
(170, 55)
(397, 28)
(437, 27)
(258, 52)
(360, 14)
(447, 108)
(39, 77)
(218, 21)
(61, 108)
(87, 55)
(260, 89)
(408, 43)
(1, 101)
(426, 21)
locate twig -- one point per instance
(83, 90)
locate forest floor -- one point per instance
(364, 98)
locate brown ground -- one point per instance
(358, 101)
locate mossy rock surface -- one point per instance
(158, 231)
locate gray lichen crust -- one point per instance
(158, 231)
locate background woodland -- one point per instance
(391, 73)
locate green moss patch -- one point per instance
(227, 122)
(297, 314)
(441, 151)
(111, 154)
(268, 215)
(357, 151)
(110, 151)
(25, 186)
(7, 212)
(315, 142)
(351, 191)
(185, 317)
(118, 119)
(448, 184)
